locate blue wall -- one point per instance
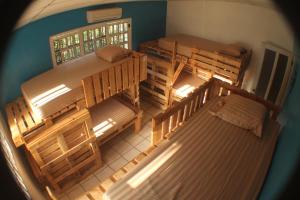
(29, 52)
(287, 152)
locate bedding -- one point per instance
(112, 53)
(109, 116)
(185, 43)
(207, 158)
(59, 87)
(242, 112)
(185, 84)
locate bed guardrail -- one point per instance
(121, 76)
(164, 124)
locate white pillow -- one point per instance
(242, 112)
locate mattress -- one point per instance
(110, 116)
(59, 87)
(207, 158)
(185, 84)
(186, 42)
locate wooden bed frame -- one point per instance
(164, 67)
(164, 124)
(62, 149)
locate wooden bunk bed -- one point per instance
(199, 155)
(60, 129)
(201, 59)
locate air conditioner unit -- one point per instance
(103, 14)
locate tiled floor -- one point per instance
(116, 153)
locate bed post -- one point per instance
(138, 122)
(156, 135)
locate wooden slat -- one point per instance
(106, 184)
(156, 135)
(157, 74)
(97, 87)
(118, 70)
(125, 75)
(29, 121)
(112, 81)
(129, 167)
(140, 157)
(143, 67)
(119, 174)
(105, 84)
(130, 73)
(16, 135)
(20, 121)
(88, 91)
(136, 70)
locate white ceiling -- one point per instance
(43, 8)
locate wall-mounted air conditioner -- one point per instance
(103, 14)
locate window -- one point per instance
(84, 40)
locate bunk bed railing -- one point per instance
(164, 124)
(121, 76)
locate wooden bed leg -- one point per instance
(138, 122)
(156, 134)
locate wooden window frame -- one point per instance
(80, 31)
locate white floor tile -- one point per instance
(153, 111)
(145, 105)
(110, 155)
(134, 140)
(145, 132)
(117, 164)
(64, 197)
(122, 147)
(146, 118)
(91, 183)
(78, 193)
(103, 174)
(131, 154)
(143, 145)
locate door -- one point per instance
(275, 76)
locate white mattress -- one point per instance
(59, 87)
(185, 84)
(109, 116)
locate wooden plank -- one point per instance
(140, 157)
(88, 91)
(105, 84)
(129, 166)
(20, 121)
(125, 75)
(118, 70)
(25, 113)
(160, 62)
(130, 73)
(15, 133)
(157, 74)
(143, 67)
(106, 184)
(177, 72)
(216, 63)
(226, 59)
(136, 70)
(150, 150)
(154, 93)
(112, 81)
(119, 174)
(97, 87)
(95, 193)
